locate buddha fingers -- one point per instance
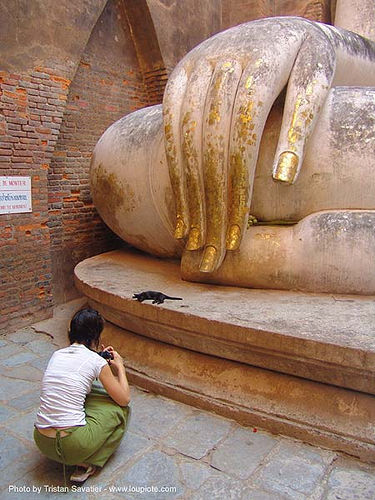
(216, 130)
(308, 87)
(173, 95)
(261, 82)
(214, 118)
(327, 57)
(191, 128)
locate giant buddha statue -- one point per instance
(258, 170)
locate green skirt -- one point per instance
(93, 443)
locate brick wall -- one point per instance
(155, 82)
(108, 84)
(48, 128)
(32, 107)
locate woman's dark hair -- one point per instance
(86, 327)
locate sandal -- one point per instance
(82, 473)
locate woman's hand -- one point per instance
(114, 379)
(117, 363)
(108, 348)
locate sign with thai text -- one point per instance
(15, 195)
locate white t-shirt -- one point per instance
(66, 382)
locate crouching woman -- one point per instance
(81, 422)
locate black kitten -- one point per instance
(156, 297)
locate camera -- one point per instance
(106, 355)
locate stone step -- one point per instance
(292, 363)
(321, 337)
(320, 414)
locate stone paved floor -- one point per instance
(196, 454)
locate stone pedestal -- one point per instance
(296, 364)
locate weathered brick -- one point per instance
(37, 99)
(41, 97)
(38, 74)
(22, 153)
(27, 140)
(9, 112)
(8, 88)
(18, 120)
(28, 84)
(33, 92)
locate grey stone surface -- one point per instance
(11, 448)
(198, 434)
(23, 372)
(169, 444)
(18, 468)
(156, 469)
(222, 487)
(42, 347)
(22, 336)
(350, 481)
(26, 402)
(242, 452)
(9, 350)
(6, 413)
(12, 388)
(294, 470)
(154, 417)
(194, 473)
(18, 359)
(40, 363)
(255, 494)
(23, 426)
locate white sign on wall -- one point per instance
(15, 195)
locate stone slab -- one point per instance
(13, 388)
(147, 461)
(18, 359)
(23, 372)
(194, 473)
(321, 337)
(154, 469)
(223, 487)
(241, 453)
(9, 350)
(26, 402)
(294, 470)
(17, 469)
(53, 488)
(11, 448)
(198, 434)
(348, 481)
(6, 413)
(40, 363)
(42, 347)
(154, 417)
(317, 413)
(23, 426)
(22, 336)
